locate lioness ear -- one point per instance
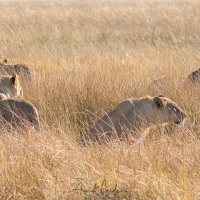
(15, 79)
(5, 60)
(161, 95)
(158, 102)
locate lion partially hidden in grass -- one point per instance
(15, 113)
(18, 114)
(11, 69)
(134, 115)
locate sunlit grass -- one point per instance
(88, 56)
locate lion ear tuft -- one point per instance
(5, 60)
(158, 102)
(161, 95)
(15, 79)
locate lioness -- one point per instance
(10, 86)
(10, 69)
(18, 113)
(133, 115)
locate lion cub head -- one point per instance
(10, 86)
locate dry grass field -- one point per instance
(87, 56)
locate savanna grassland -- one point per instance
(87, 56)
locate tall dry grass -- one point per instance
(87, 57)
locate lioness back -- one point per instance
(133, 115)
(19, 113)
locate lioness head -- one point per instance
(167, 111)
(10, 86)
